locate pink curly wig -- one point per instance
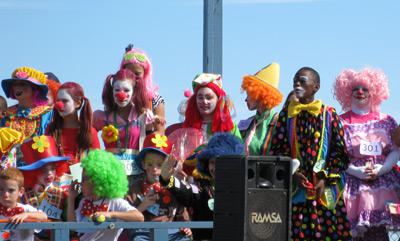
(374, 80)
(147, 66)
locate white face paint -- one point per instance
(360, 97)
(299, 92)
(69, 103)
(206, 101)
(124, 86)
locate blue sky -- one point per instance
(83, 41)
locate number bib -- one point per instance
(130, 167)
(370, 148)
(51, 211)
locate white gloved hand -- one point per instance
(377, 168)
(358, 172)
(391, 159)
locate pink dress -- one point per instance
(136, 127)
(365, 202)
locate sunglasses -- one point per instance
(139, 57)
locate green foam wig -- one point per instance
(107, 173)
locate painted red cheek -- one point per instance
(25, 90)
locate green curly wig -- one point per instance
(107, 173)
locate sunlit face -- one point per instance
(48, 174)
(123, 91)
(206, 101)
(211, 167)
(251, 105)
(304, 85)
(137, 69)
(360, 97)
(9, 193)
(87, 186)
(22, 90)
(152, 163)
(69, 105)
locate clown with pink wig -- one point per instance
(125, 117)
(140, 64)
(371, 180)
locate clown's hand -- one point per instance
(167, 168)
(358, 172)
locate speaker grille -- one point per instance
(266, 214)
(252, 199)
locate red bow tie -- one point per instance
(9, 212)
(88, 208)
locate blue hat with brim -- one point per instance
(42, 162)
(23, 76)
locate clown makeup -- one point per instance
(68, 106)
(122, 92)
(206, 101)
(152, 163)
(21, 89)
(9, 193)
(360, 97)
(298, 90)
(48, 175)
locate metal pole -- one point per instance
(212, 37)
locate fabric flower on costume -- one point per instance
(21, 75)
(160, 141)
(110, 134)
(40, 143)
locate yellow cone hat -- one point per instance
(263, 86)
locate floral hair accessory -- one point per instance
(160, 141)
(139, 57)
(110, 133)
(40, 143)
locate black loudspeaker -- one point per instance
(252, 198)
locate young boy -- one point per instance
(9, 138)
(312, 133)
(153, 200)
(40, 170)
(201, 199)
(11, 188)
(103, 185)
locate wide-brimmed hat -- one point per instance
(38, 152)
(30, 75)
(155, 142)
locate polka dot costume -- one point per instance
(312, 140)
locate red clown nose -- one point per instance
(59, 105)
(121, 96)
